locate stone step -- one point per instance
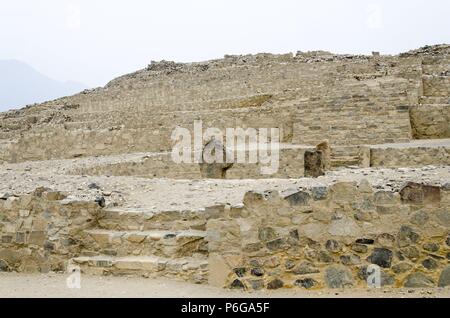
(122, 219)
(169, 244)
(194, 270)
(429, 100)
(344, 161)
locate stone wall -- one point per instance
(328, 236)
(41, 231)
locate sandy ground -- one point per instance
(54, 285)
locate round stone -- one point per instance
(419, 280)
(237, 284)
(359, 248)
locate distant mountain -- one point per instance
(21, 85)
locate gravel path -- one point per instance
(54, 285)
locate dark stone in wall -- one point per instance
(349, 260)
(430, 264)
(406, 236)
(276, 245)
(381, 257)
(240, 272)
(359, 248)
(305, 268)
(306, 283)
(338, 276)
(386, 279)
(419, 280)
(257, 284)
(299, 198)
(431, 247)
(4, 267)
(410, 252)
(258, 272)
(402, 267)
(237, 284)
(365, 241)
(319, 193)
(444, 279)
(314, 164)
(333, 246)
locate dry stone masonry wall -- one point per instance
(349, 100)
(326, 237)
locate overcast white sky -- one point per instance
(93, 41)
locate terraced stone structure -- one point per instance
(88, 180)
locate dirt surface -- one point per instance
(54, 285)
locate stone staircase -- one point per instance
(351, 156)
(170, 244)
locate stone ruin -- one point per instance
(88, 180)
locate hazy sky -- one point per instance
(93, 41)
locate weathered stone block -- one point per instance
(415, 193)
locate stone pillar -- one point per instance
(216, 170)
(318, 161)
